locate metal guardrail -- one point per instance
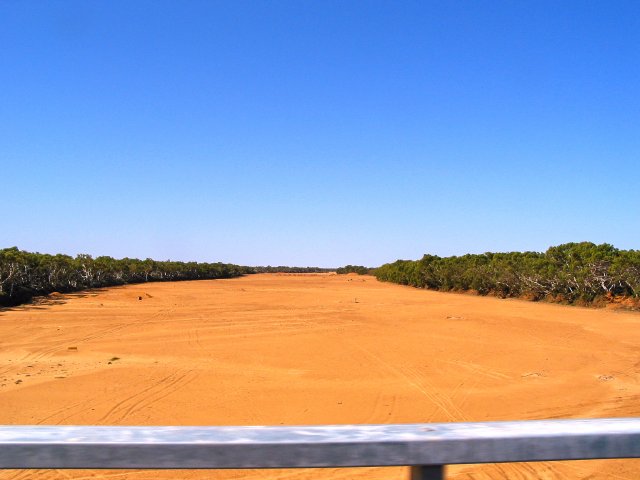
(426, 448)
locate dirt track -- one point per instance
(315, 349)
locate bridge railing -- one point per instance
(425, 448)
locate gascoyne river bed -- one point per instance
(286, 349)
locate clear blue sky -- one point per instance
(318, 132)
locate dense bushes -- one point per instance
(360, 270)
(24, 274)
(572, 273)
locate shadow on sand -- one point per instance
(46, 301)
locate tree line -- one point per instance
(359, 269)
(578, 273)
(582, 273)
(283, 269)
(24, 275)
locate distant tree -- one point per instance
(359, 269)
(284, 269)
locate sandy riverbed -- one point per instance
(315, 349)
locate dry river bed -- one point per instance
(315, 349)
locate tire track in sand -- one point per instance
(446, 407)
(148, 396)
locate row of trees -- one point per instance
(24, 274)
(283, 269)
(572, 273)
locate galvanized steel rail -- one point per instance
(426, 448)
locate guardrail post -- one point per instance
(427, 472)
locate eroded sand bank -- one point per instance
(315, 349)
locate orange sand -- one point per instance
(315, 349)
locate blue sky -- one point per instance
(318, 133)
